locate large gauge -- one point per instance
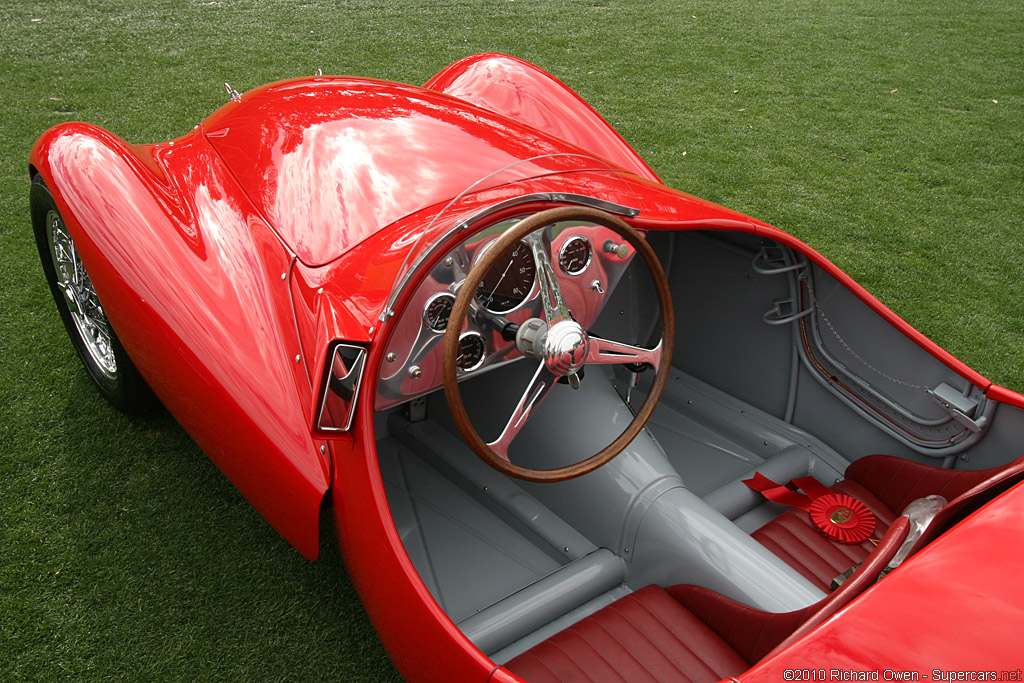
(471, 351)
(575, 255)
(509, 281)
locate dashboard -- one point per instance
(588, 260)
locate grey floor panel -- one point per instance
(704, 458)
(468, 557)
(713, 439)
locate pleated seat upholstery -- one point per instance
(793, 538)
(684, 634)
(885, 484)
(644, 637)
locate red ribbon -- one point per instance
(840, 517)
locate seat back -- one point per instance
(999, 480)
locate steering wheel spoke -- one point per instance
(555, 309)
(540, 386)
(606, 351)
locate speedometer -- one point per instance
(509, 281)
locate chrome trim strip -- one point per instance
(567, 197)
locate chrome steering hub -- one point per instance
(565, 347)
(562, 347)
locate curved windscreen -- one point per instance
(591, 182)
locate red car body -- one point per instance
(220, 263)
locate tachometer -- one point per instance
(437, 310)
(509, 281)
(471, 351)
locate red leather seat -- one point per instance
(885, 484)
(645, 636)
(684, 633)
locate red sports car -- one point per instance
(574, 425)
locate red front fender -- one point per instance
(191, 280)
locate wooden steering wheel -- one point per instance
(560, 343)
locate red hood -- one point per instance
(330, 161)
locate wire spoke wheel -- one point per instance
(80, 309)
(84, 305)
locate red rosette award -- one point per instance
(842, 518)
(838, 516)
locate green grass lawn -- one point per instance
(888, 135)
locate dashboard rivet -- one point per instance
(284, 276)
(298, 358)
(391, 357)
(449, 262)
(320, 291)
(415, 372)
(323, 449)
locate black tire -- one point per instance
(105, 360)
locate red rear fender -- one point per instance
(514, 87)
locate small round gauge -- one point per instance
(575, 255)
(437, 310)
(471, 351)
(509, 281)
